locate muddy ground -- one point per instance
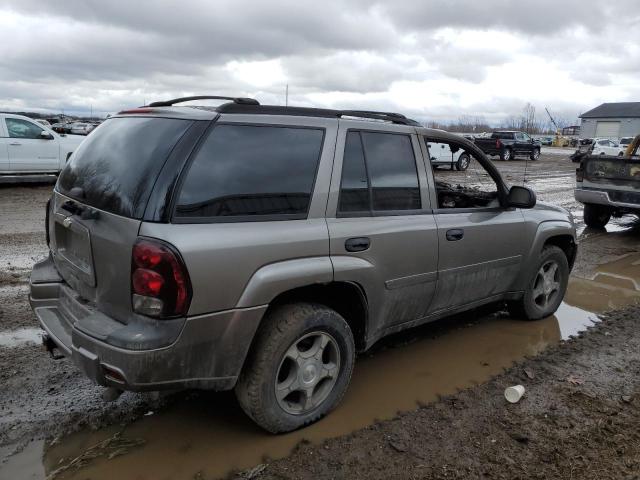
(583, 428)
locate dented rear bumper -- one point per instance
(204, 351)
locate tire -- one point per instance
(506, 154)
(288, 332)
(596, 216)
(540, 298)
(535, 154)
(463, 162)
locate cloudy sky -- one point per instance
(431, 59)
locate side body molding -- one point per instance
(271, 280)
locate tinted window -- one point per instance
(354, 188)
(246, 170)
(392, 171)
(502, 135)
(115, 168)
(22, 128)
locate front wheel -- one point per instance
(463, 162)
(298, 369)
(596, 216)
(535, 154)
(546, 286)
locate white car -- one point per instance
(80, 128)
(604, 146)
(441, 155)
(44, 122)
(28, 147)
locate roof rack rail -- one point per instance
(238, 100)
(388, 116)
(315, 112)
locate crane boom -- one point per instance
(552, 120)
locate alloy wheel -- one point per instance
(547, 284)
(307, 373)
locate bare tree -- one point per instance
(529, 118)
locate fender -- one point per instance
(545, 230)
(271, 280)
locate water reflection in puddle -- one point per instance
(208, 433)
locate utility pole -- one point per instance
(286, 96)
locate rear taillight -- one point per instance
(579, 175)
(498, 143)
(160, 285)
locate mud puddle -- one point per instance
(205, 435)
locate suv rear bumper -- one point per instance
(208, 351)
(602, 197)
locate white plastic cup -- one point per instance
(514, 394)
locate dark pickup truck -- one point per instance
(508, 144)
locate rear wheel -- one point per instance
(546, 288)
(463, 162)
(596, 216)
(299, 368)
(505, 154)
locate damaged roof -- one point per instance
(619, 109)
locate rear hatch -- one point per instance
(99, 202)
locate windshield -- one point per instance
(115, 168)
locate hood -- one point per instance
(550, 207)
(545, 211)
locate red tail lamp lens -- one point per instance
(147, 282)
(160, 283)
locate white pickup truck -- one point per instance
(27, 147)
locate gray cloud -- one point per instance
(115, 54)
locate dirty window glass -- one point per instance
(248, 171)
(392, 171)
(461, 181)
(115, 167)
(22, 129)
(354, 188)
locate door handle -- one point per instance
(15, 144)
(357, 244)
(455, 234)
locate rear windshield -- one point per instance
(502, 135)
(116, 166)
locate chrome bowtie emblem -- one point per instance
(67, 222)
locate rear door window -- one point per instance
(252, 172)
(115, 168)
(378, 174)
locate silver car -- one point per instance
(258, 248)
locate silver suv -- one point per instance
(258, 248)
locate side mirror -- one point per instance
(44, 135)
(521, 197)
